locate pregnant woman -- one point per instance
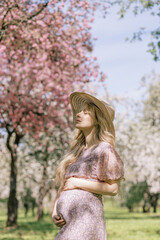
(90, 169)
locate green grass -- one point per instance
(120, 225)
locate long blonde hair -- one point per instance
(100, 134)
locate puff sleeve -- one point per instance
(110, 166)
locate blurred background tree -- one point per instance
(138, 144)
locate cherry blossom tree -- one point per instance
(42, 60)
(14, 13)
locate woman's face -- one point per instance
(85, 118)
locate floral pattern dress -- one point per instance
(83, 210)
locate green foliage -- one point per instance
(139, 7)
(3, 200)
(135, 194)
(154, 47)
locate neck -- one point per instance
(89, 133)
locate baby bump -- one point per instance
(77, 203)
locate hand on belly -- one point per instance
(71, 183)
(58, 220)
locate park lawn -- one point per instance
(120, 225)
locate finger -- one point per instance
(60, 214)
(60, 221)
(57, 217)
(67, 188)
(55, 220)
(60, 225)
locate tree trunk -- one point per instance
(153, 198)
(12, 203)
(42, 189)
(12, 200)
(146, 205)
(40, 205)
(130, 209)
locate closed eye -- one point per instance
(85, 111)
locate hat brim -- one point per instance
(78, 99)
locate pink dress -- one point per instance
(83, 210)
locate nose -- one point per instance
(77, 115)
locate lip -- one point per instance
(78, 120)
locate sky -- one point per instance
(123, 62)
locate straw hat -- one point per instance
(78, 99)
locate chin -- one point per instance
(78, 127)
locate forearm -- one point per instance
(54, 208)
(97, 187)
(56, 200)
